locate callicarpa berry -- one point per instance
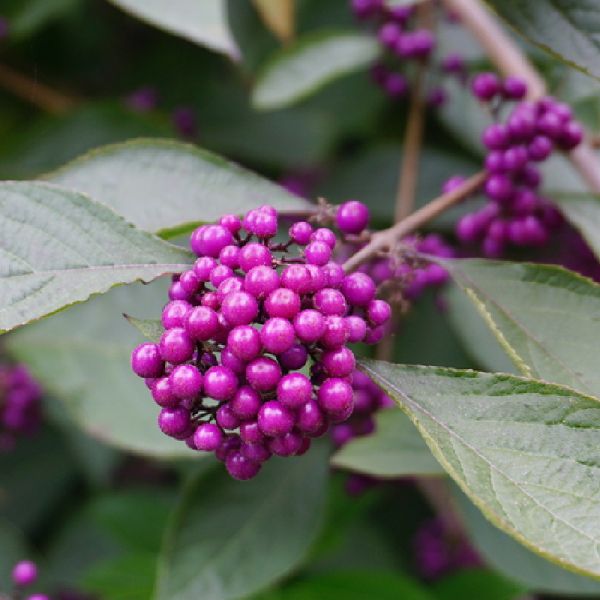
(516, 213)
(226, 369)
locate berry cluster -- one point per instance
(516, 214)
(230, 371)
(20, 404)
(25, 574)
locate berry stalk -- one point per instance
(387, 238)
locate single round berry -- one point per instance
(163, 394)
(294, 389)
(286, 445)
(250, 432)
(265, 225)
(300, 232)
(230, 256)
(208, 437)
(338, 363)
(257, 452)
(244, 342)
(226, 418)
(229, 286)
(309, 325)
(277, 335)
(485, 86)
(324, 234)
(357, 328)
(378, 312)
(24, 573)
(296, 278)
(176, 346)
(201, 323)
(174, 314)
(335, 334)
(359, 289)
(310, 418)
(239, 308)
(178, 292)
(210, 240)
(230, 444)
(146, 361)
(317, 253)
(254, 255)
(330, 301)
(186, 381)
(282, 303)
(274, 419)
(260, 281)
(231, 223)
(334, 274)
(514, 88)
(220, 383)
(189, 281)
(335, 395)
(203, 267)
(219, 274)
(352, 217)
(240, 467)
(263, 374)
(246, 403)
(174, 421)
(294, 358)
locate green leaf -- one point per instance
(352, 585)
(82, 357)
(59, 247)
(544, 317)
(203, 23)
(137, 178)
(151, 329)
(477, 583)
(567, 30)
(515, 562)
(310, 63)
(394, 450)
(230, 539)
(474, 333)
(524, 451)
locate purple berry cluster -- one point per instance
(25, 574)
(20, 404)
(232, 371)
(516, 214)
(439, 553)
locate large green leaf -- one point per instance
(524, 451)
(544, 316)
(394, 450)
(204, 22)
(59, 247)
(310, 63)
(473, 332)
(27, 17)
(161, 185)
(352, 585)
(515, 562)
(568, 30)
(82, 356)
(231, 539)
(476, 583)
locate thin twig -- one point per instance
(509, 60)
(386, 239)
(34, 92)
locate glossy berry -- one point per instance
(274, 419)
(352, 217)
(277, 335)
(294, 390)
(24, 573)
(208, 437)
(147, 361)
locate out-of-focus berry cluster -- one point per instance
(253, 360)
(24, 575)
(516, 214)
(20, 404)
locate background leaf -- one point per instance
(82, 357)
(203, 22)
(516, 562)
(395, 450)
(567, 30)
(541, 314)
(525, 452)
(12, 550)
(162, 185)
(231, 539)
(309, 64)
(59, 247)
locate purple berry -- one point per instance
(230, 256)
(146, 361)
(209, 240)
(244, 342)
(240, 467)
(277, 335)
(310, 418)
(254, 255)
(379, 312)
(286, 445)
(261, 281)
(317, 253)
(309, 325)
(296, 278)
(226, 418)
(201, 323)
(176, 346)
(335, 334)
(274, 419)
(203, 267)
(485, 86)
(220, 383)
(263, 374)
(359, 289)
(338, 363)
(514, 88)
(357, 328)
(246, 403)
(499, 188)
(294, 358)
(329, 301)
(208, 437)
(174, 313)
(334, 274)
(300, 232)
(24, 573)
(239, 308)
(352, 217)
(186, 381)
(282, 303)
(294, 389)
(174, 421)
(335, 396)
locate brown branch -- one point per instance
(34, 92)
(386, 239)
(509, 60)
